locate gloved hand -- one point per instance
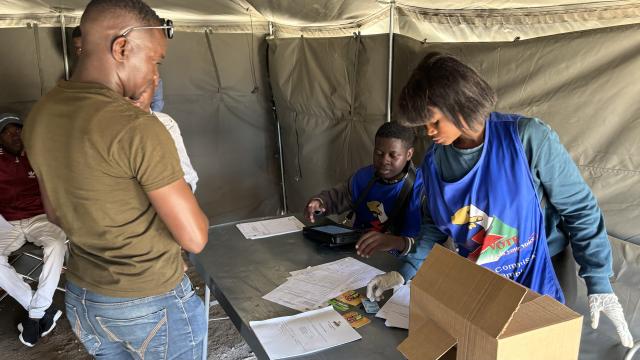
(610, 306)
(382, 283)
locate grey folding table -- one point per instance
(240, 271)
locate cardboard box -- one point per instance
(460, 310)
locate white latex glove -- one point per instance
(610, 306)
(382, 283)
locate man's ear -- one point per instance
(119, 49)
(410, 153)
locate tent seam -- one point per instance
(213, 60)
(591, 167)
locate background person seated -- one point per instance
(21, 206)
(372, 194)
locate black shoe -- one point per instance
(44, 326)
(29, 331)
(48, 321)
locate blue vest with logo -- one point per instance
(493, 213)
(381, 200)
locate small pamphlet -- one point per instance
(356, 319)
(350, 297)
(339, 305)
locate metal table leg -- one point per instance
(205, 342)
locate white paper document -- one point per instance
(311, 288)
(4, 224)
(301, 295)
(303, 333)
(345, 274)
(272, 227)
(396, 309)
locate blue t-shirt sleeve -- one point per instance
(566, 191)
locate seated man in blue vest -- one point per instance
(374, 193)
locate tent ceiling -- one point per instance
(296, 12)
(501, 4)
(226, 10)
(435, 20)
(301, 13)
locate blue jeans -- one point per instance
(166, 326)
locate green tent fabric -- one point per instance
(237, 70)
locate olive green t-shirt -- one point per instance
(97, 156)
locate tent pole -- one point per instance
(392, 9)
(284, 190)
(64, 47)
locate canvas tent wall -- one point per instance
(324, 66)
(234, 155)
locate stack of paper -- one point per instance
(312, 287)
(396, 309)
(303, 333)
(271, 227)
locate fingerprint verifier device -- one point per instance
(332, 234)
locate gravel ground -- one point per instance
(225, 343)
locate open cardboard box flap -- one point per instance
(538, 313)
(465, 311)
(475, 293)
(428, 342)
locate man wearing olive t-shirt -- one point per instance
(111, 178)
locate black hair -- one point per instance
(395, 130)
(140, 10)
(76, 33)
(444, 82)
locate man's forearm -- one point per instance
(179, 210)
(338, 199)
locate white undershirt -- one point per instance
(190, 175)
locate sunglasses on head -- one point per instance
(166, 24)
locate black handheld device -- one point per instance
(332, 234)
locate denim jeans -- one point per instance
(166, 326)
